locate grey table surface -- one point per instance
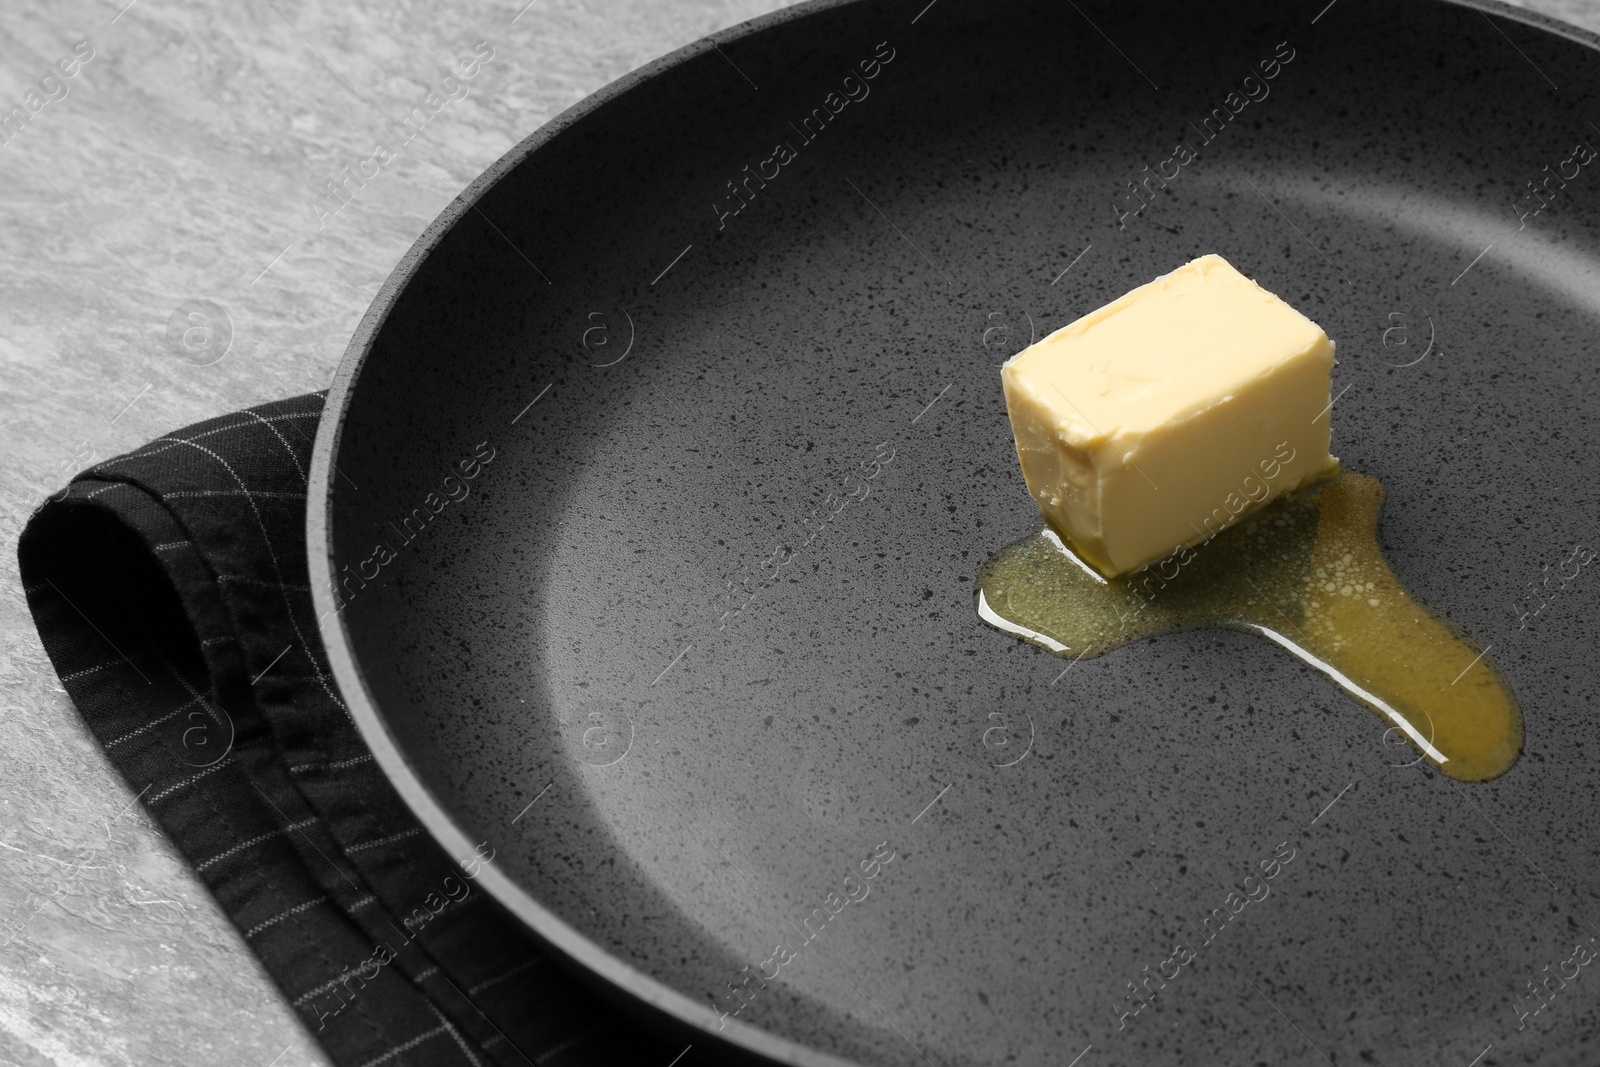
(184, 163)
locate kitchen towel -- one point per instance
(169, 586)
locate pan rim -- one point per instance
(547, 928)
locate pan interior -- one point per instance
(679, 454)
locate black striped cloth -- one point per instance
(169, 586)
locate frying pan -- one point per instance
(682, 437)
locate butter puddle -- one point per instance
(1305, 571)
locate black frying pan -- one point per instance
(675, 476)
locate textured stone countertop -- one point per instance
(181, 165)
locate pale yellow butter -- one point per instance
(1159, 419)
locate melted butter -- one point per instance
(1305, 571)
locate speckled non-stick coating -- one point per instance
(704, 782)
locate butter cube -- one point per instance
(1163, 417)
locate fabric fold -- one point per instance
(169, 587)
